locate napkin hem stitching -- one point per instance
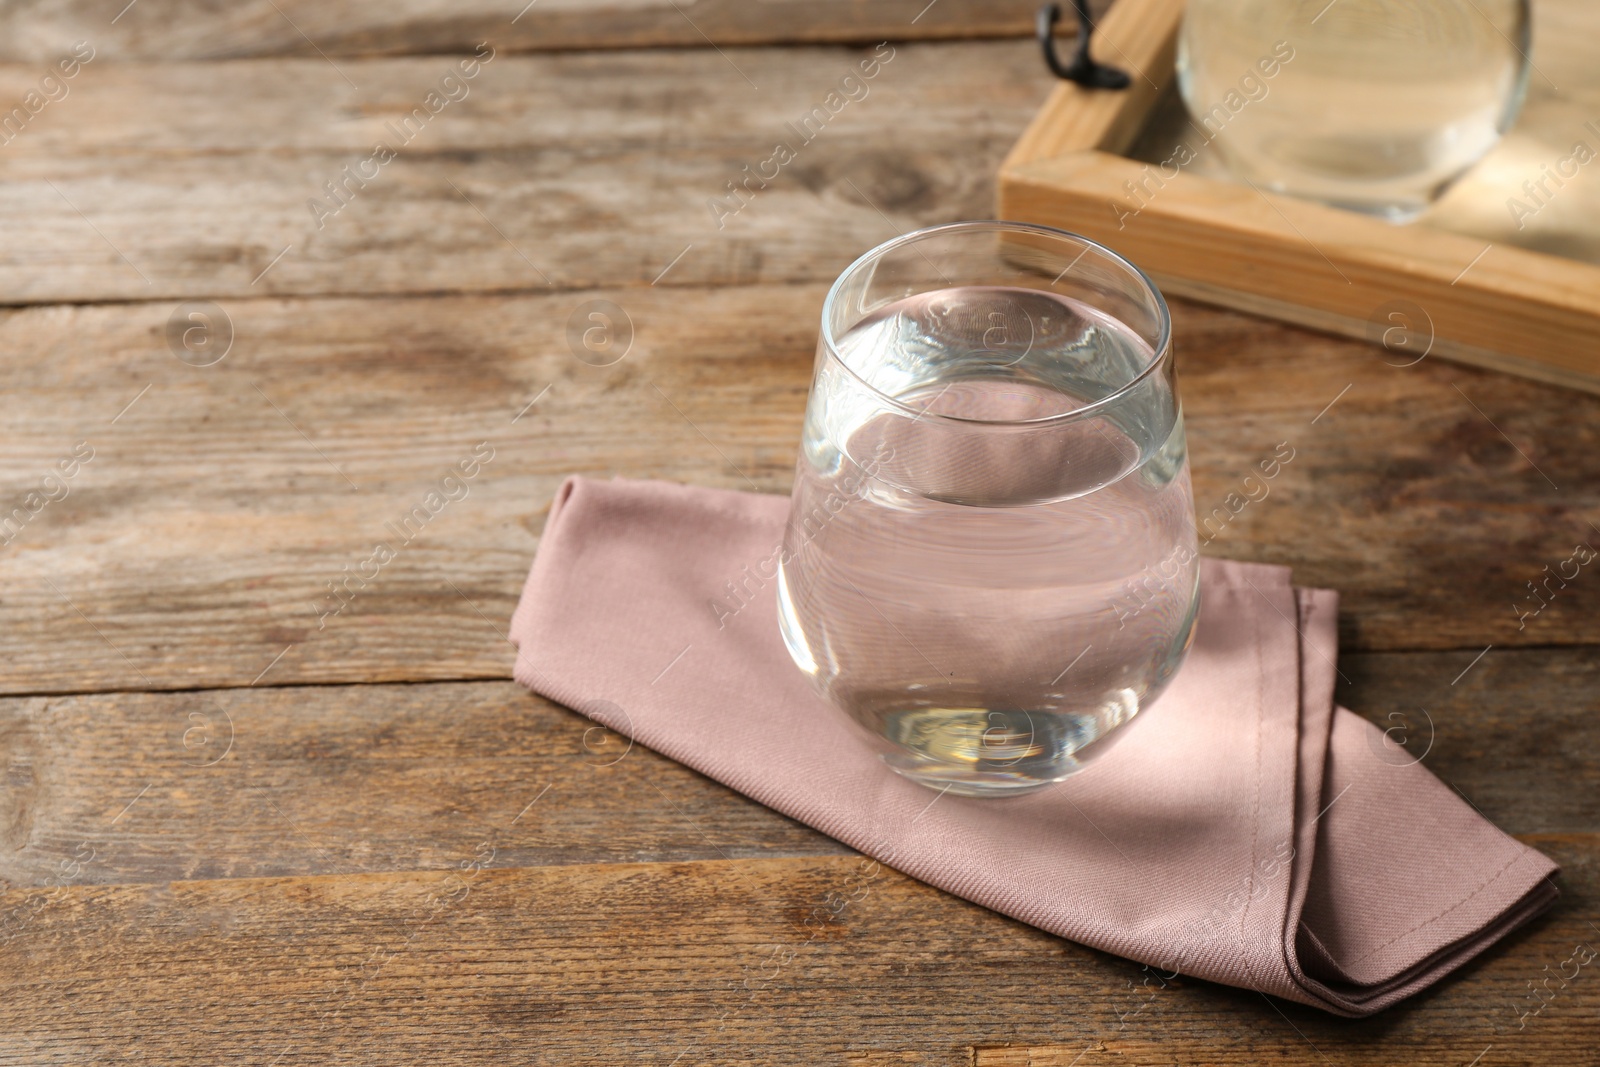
(1428, 922)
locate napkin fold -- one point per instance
(1243, 829)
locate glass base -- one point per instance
(942, 781)
(1397, 213)
(993, 751)
(987, 751)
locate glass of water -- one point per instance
(990, 559)
(1371, 105)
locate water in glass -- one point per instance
(987, 587)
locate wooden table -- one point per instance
(240, 828)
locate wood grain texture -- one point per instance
(802, 961)
(197, 546)
(349, 780)
(366, 779)
(560, 171)
(190, 29)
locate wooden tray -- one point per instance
(1461, 282)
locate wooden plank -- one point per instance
(254, 783)
(519, 104)
(270, 782)
(561, 171)
(801, 961)
(197, 546)
(189, 29)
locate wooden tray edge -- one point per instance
(1488, 305)
(1362, 329)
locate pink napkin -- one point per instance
(1243, 829)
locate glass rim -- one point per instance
(1162, 350)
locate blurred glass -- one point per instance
(1375, 106)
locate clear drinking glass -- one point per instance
(1372, 105)
(990, 559)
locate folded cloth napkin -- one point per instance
(1243, 830)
